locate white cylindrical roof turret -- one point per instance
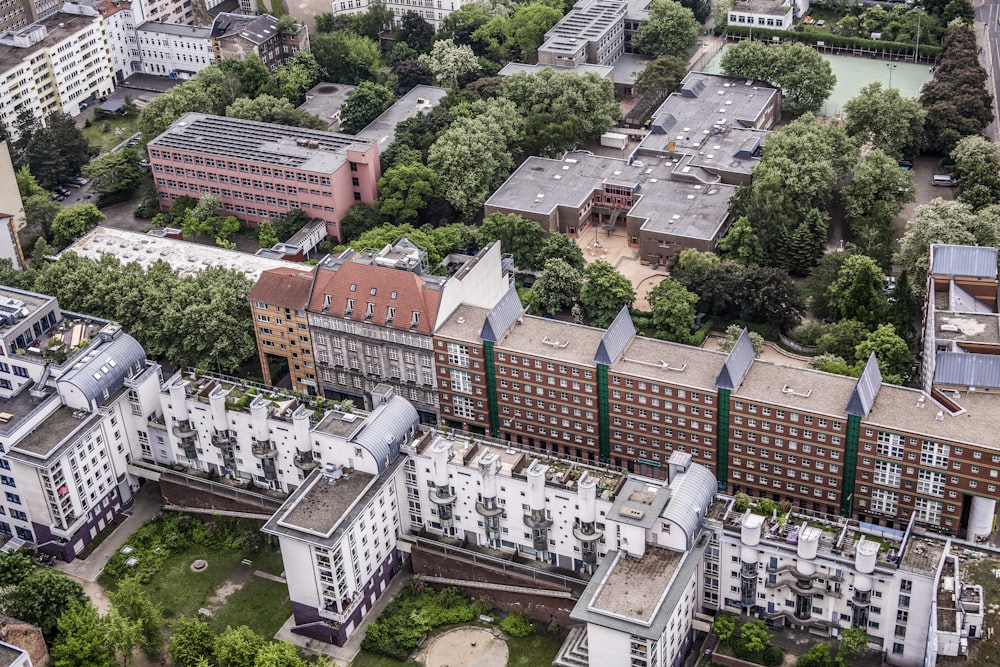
(536, 485)
(258, 419)
(750, 527)
(865, 556)
(217, 398)
(587, 491)
(981, 514)
(300, 428)
(178, 400)
(805, 567)
(488, 465)
(748, 555)
(863, 583)
(809, 541)
(439, 462)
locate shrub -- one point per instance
(417, 611)
(809, 333)
(516, 625)
(773, 656)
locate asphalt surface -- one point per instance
(988, 34)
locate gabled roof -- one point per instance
(961, 369)
(866, 389)
(963, 260)
(285, 287)
(374, 290)
(255, 29)
(616, 338)
(737, 363)
(502, 317)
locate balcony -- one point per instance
(183, 429)
(270, 472)
(442, 496)
(789, 616)
(305, 461)
(483, 510)
(222, 438)
(264, 449)
(587, 537)
(794, 585)
(790, 569)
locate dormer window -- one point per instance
(354, 287)
(350, 306)
(391, 315)
(374, 289)
(414, 320)
(369, 311)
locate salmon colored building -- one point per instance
(261, 171)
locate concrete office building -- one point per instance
(769, 14)
(54, 65)
(372, 315)
(174, 50)
(260, 171)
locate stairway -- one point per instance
(574, 652)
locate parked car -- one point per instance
(905, 165)
(79, 180)
(63, 191)
(944, 180)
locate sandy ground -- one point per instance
(465, 647)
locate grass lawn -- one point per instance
(539, 649)
(108, 140)
(261, 604)
(366, 659)
(982, 652)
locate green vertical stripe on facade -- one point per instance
(491, 388)
(850, 465)
(603, 418)
(722, 440)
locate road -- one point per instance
(988, 34)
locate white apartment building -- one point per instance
(432, 11)
(54, 64)
(120, 22)
(174, 50)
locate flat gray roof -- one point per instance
(47, 441)
(382, 130)
(175, 29)
(681, 208)
(602, 71)
(59, 26)
(325, 99)
(972, 327)
(335, 424)
(796, 388)
(776, 7)
(585, 22)
(559, 341)
(628, 67)
(673, 363)
(465, 323)
(263, 143)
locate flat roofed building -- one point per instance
(769, 14)
(592, 31)
(260, 171)
(174, 50)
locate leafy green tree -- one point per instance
(473, 157)
(857, 292)
(725, 625)
(115, 173)
(872, 200)
(559, 246)
(604, 292)
(82, 639)
(410, 73)
(842, 338)
(359, 219)
(741, 244)
(805, 78)
(134, 604)
(345, 57)
(701, 9)
(416, 32)
(278, 654)
(124, 635)
(373, 22)
(364, 105)
(673, 310)
(27, 185)
(977, 166)
(820, 278)
(40, 598)
(191, 640)
(831, 363)
(852, 641)
(527, 27)
(548, 99)
(40, 210)
(671, 30)
(903, 308)
(266, 236)
(885, 119)
(15, 567)
(437, 241)
(522, 238)
(755, 636)
(558, 287)
(271, 109)
(237, 647)
(893, 354)
(75, 221)
(818, 655)
(56, 152)
(255, 79)
(450, 62)
(664, 74)
(733, 333)
(406, 191)
(297, 75)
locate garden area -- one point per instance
(412, 625)
(752, 640)
(982, 652)
(107, 133)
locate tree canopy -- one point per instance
(804, 76)
(451, 63)
(673, 310)
(670, 30)
(558, 287)
(406, 191)
(75, 221)
(886, 120)
(364, 105)
(604, 293)
(524, 239)
(871, 201)
(977, 166)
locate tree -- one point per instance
(450, 63)
(40, 598)
(522, 238)
(872, 200)
(549, 99)
(364, 105)
(40, 210)
(604, 293)
(755, 636)
(842, 338)
(977, 166)
(190, 641)
(134, 604)
(266, 236)
(15, 567)
(557, 287)
(124, 635)
(116, 173)
(345, 57)
(733, 333)
(820, 278)
(857, 292)
(701, 9)
(527, 26)
(559, 246)
(818, 655)
(673, 310)
(852, 641)
(893, 354)
(237, 647)
(278, 654)
(671, 30)
(297, 75)
(271, 109)
(82, 639)
(377, 19)
(886, 120)
(27, 185)
(903, 308)
(359, 219)
(472, 157)
(75, 221)
(406, 191)
(56, 152)
(439, 242)
(805, 78)
(724, 627)
(410, 73)
(416, 32)
(741, 244)
(664, 74)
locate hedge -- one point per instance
(813, 37)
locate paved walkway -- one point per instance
(343, 655)
(147, 504)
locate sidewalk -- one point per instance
(344, 655)
(147, 504)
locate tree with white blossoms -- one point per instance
(450, 62)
